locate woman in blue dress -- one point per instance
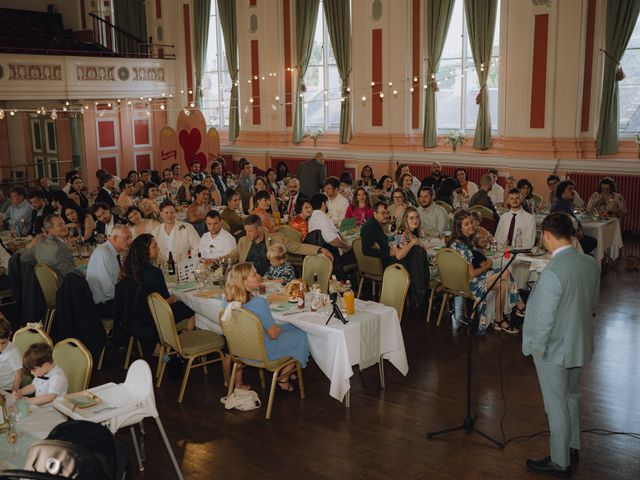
(280, 340)
(482, 276)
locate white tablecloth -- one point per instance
(334, 347)
(609, 237)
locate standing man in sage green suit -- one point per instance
(558, 334)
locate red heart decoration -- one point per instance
(190, 143)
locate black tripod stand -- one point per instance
(468, 423)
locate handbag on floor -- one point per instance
(242, 400)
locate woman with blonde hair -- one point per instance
(279, 340)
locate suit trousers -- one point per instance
(561, 394)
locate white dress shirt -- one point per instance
(103, 270)
(496, 194)
(10, 362)
(524, 221)
(56, 383)
(217, 247)
(337, 208)
(434, 220)
(321, 221)
(182, 238)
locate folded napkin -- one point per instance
(184, 286)
(212, 292)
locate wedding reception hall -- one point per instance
(319, 239)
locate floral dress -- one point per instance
(284, 271)
(479, 285)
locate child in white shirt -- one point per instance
(49, 381)
(10, 359)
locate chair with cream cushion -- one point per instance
(321, 265)
(454, 276)
(75, 361)
(49, 284)
(370, 268)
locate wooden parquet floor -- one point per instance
(382, 435)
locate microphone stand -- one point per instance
(468, 423)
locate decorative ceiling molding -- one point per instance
(91, 73)
(25, 71)
(148, 74)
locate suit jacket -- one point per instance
(558, 325)
(36, 221)
(375, 242)
(234, 220)
(244, 245)
(297, 205)
(52, 251)
(312, 175)
(116, 220)
(104, 197)
(221, 185)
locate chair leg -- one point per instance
(272, 393)
(360, 285)
(140, 348)
(232, 380)
(163, 365)
(433, 294)
(347, 399)
(136, 447)
(99, 367)
(263, 382)
(300, 382)
(185, 379)
(127, 358)
(159, 367)
(204, 367)
(445, 298)
(224, 370)
(169, 449)
(381, 368)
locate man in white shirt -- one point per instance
(103, 269)
(434, 220)
(319, 220)
(517, 227)
(217, 242)
(169, 186)
(174, 236)
(337, 205)
(496, 194)
(10, 359)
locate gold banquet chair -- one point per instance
(189, 345)
(23, 338)
(321, 265)
(49, 284)
(445, 205)
(454, 277)
(76, 362)
(245, 338)
(369, 267)
(292, 234)
(395, 285)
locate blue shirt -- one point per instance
(102, 272)
(20, 218)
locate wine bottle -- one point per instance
(171, 265)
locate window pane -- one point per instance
(448, 99)
(51, 137)
(629, 88)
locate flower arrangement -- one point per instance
(454, 139)
(314, 134)
(182, 227)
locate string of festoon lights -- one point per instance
(362, 93)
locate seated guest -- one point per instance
(51, 248)
(138, 185)
(384, 188)
(397, 208)
(483, 196)
(401, 170)
(517, 227)
(346, 182)
(245, 182)
(49, 381)
(137, 223)
(606, 201)
(293, 203)
(67, 178)
(145, 176)
(76, 188)
(176, 168)
(106, 193)
(138, 266)
(406, 183)
(336, 204)
(178, 238)
(273, 186)
(106, 220)
(149, 203)
(564, 203)
(101, 175)
(360, 207)
(280, 341)
(169, 186)
(260, 185)
(262, 200)
(254, 245)
(435, 179)
(10, 359)
(214, 194)
(217, 173)
(125, 200)
(481, 277)
(330, 236)
(282, 173)
(232, 213)
(217, 242)
(301, 221)
(198, 209)
(58, 200)
(482, 236)
(465, 190)
(510, 183)
(496, 193)
(367, 179)
(41, 209)
(184, 192)
(195, 173)
(375, 242)
(18, 214)
(280, 270)
(529, 202)
(103, 269)
(552, 183)
(77, 218)
(445, 191)
(413, 256)
(434, 220)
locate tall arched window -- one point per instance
(456, 106)
(629, 88)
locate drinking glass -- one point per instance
(12, 438)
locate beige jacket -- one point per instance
(241, 252)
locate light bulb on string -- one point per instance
(148, 113)
(326, 104)
(181, 91)
(415, 79)
(262, 77)
(373, 84)
(391, 84)
(192, 105)
(64, 109)
(395, 93)
(101, 114)
(171, 95)
(342, 99)
(381, 95)
(364, 98)
(190, 92)
(1, 114)
(251, 100)
(12, 113)
(249, 81)
(411, 89)
(86, 107)
(187, 112)
(109, 104)
(67, 103)
(277, 98)
(44, 111)
(54, 114)
(162, 107)
(348, 89)
(425, 86)
(129, 102)
(306, 105)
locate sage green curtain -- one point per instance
(620, 22)
(306, 14)
(129, 15)
(201, 12)
(481, 23)
(227, 12)
(338, 16)
(438, 19)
